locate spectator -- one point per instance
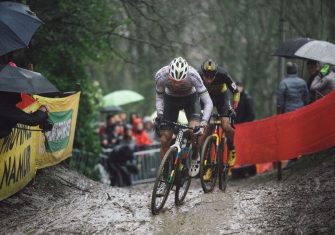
(149, 128)
(108, 137)
(10, 115)
(244, 113)
(123, 117)
(141, 136)
(324, 82)
(292, 94)
(313, 69)
(245, 110)
(132, 117)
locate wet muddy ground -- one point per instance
(61, 201)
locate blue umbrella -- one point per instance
(17, 26)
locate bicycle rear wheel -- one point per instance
(183, 180)
(208, 164)
(223, 169)
(164, 182)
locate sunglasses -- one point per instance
(209, 74)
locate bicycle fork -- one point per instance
(176, 145)
(180, 152)
(217, 142)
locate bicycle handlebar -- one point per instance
(182, 126)
(217, 117)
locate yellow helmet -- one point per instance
(209, 68)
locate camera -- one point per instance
(46, 126)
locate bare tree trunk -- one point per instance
(331, 20)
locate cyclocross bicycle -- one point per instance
(173, 170)
(213, 164)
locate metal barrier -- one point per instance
(82, 161)
(147, 162)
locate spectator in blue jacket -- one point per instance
(292, 94)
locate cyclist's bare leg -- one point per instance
(202, 138)
(166, 138)
(192, 124)
(230, 133)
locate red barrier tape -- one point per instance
(282, 137)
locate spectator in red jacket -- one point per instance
(138, 132)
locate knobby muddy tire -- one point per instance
(182, 189)
(206, 155)
(167, 161)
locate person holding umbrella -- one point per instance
(324, 82)
(10, 115)
(313, 69)
(13, 82)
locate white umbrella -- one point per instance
(318, 50)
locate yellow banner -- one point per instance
(56, 145)
(25, 149)
(17, 160)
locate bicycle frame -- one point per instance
(177, 145)
(217, 133)
(173, 163)
(212, 161)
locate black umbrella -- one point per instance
(111, 109)
(289, 47)
(15, 79)
(17, 26)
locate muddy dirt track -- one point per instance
(61, 201)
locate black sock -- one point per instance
(230, 145)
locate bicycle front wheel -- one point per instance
(208, 164)
(183, 180)
(164, 181)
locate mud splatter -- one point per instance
(62, 201)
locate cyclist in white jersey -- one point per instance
(179, 86)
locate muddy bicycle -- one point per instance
(173, 170)
(213, 164)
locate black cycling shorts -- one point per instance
(221, 102)
(172, 106)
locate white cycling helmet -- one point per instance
(178, 69)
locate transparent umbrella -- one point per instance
(318, 50)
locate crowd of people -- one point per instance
(138, 133)
(294, 92)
